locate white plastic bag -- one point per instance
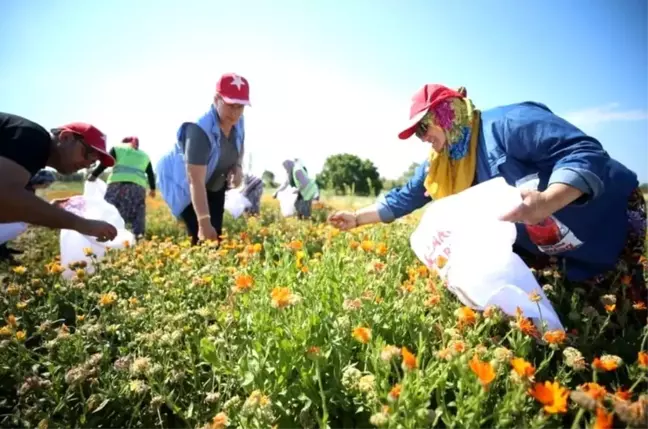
(461, 239)
(9, 231)
(287, 199)
(91, 205)
(236, 202)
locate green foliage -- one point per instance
(348, 174)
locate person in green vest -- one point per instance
(306, 187)
(127, 183)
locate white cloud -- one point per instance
(593, 117)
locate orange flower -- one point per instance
(623, 394)
(409, 360)
(281, 297)
(483, 370)
(527, 327)
(639, 305)
(604, 419)
(607, 363)
(243, 282)
(593, 390)
(610, 308)
(466, 316)
(394, 393)
(522, 368)
(361, 334)
(296, 245)
(381, 249)
(555, 337)
(551, 395)
(432, 300)
(642, 359)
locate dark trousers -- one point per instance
(216, 205)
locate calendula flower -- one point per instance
(389, 352)
(362, 334)
(574, 359)
(607, 363)
(243, 283)
(623, 394)
(466, 316)
(220, 421)
(282, 297)
(19, 269)
(534, 296)
(367, 245)
(107, 299)
(551, 395)
(593, 390)
(642, 359)
(604, 419)
(409, 360)
(555, 337)
(483, 370)
(394, 393)
(523, 368)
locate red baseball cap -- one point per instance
(423, 100)
(234, 89)
(92, 137)
(132, 140)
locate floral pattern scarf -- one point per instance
(453, 169)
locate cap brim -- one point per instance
(105, 159)
(235, 101)
(411, 126)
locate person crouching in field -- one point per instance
(307, 187)
(127, 183)
(26, 148)
(207, 158)
(253, 191)
(579, 205)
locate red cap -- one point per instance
(234, 89)
(423, 100)
(92, 137)
(134, 141)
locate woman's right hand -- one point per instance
(343, 220)
(206, 231)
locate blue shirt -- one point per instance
(528, 145)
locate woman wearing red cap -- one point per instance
(128, 181)
(569, 184)
(207, 158)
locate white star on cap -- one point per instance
(237, 82)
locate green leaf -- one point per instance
(208, 351)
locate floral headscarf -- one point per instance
(453, 169)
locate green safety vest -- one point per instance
(309, 192)
(130, 166)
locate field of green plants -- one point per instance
(295, 324)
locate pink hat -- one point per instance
(234, 89)
(423, 101)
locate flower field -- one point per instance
(295, 324)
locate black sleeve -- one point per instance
(151, 176)
(27, 146)
(101, 168)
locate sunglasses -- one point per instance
(89, 154)
(421, 130)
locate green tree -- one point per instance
(346, 173)
(403, 179)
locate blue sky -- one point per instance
(325, 77)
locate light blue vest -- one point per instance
(171, 169)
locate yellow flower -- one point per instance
(21, 335)
(19, 270)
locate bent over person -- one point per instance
(25, 149)
(128, 181)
